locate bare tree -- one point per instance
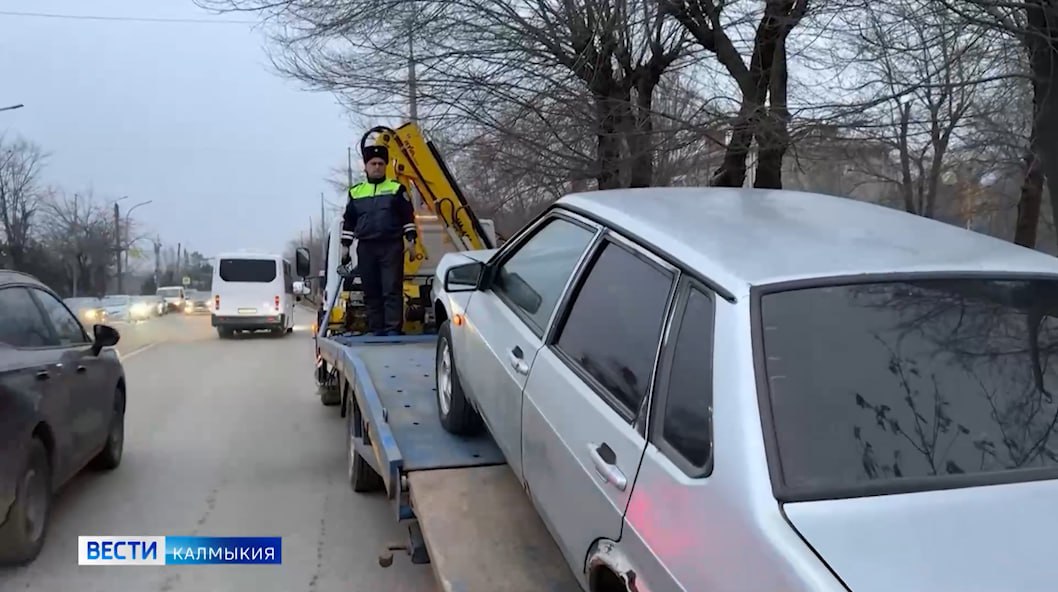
(79, 232)
(478, 62)
(923, 75)
(763, 113)
(1034, 25)
(21, 162)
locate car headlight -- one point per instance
(90, 314)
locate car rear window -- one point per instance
(902, 385)
(248, 270)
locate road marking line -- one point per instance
(138, 350)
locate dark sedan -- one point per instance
(62, 407)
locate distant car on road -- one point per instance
(735, 390)
(62, 407)
(119, 308)
(174, 297)
(196, 302)
(143, 308)
(88, 310)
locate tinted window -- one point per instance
(614, 326)
(533, 279)
(248, 270)
(67, 327)
(688, 409)
(21, 322)
(872, 384)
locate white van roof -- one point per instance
(249, 255)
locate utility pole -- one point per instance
(179, 262)
(323, 217)
(117, 242)
(349, 166)
(413, 102)
(157, 259)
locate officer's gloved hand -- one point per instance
(411, 236)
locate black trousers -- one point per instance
(380, 264)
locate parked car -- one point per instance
(88, 310)
(62, 407)
(735, 389)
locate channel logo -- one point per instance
(178, 550)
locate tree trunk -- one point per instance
(773, 137)
(641, 140)
(609, 111)
(1043, 57)
(1030, 202)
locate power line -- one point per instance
(128, 19)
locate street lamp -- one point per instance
(118, 234)
(128, 243)
(12, 107)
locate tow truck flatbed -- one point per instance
(465, 511)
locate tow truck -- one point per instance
(462, 507)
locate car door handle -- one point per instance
(81, 369)
(43, 375)
(514, 356)
(605, 461)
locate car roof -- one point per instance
(744, 237)
(8, 276)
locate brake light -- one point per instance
(216, 302)
(277, 302)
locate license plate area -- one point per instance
(247, 311)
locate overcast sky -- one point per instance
(188, 115)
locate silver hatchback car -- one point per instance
(733, 390)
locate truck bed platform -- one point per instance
(403, 378)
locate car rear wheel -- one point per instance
(453, 409)
(22, 533)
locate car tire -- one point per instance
(456, 413)
(362, 478)
(224, 332)
(109, 458)
(26, 526)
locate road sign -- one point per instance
(187, 280)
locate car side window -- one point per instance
(21, 321)
(533, 279)
(67, 328)
(614, 325)
(685, 393)
(288, 278)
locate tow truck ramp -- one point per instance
(483, 535)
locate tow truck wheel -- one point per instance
(455, 412)
(362, 478)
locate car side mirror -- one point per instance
(301, 262)
(105, 336)
(463, 278)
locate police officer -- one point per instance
(378, 215)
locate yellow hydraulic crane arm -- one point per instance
(415, 162)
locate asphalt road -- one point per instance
(224, 438)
